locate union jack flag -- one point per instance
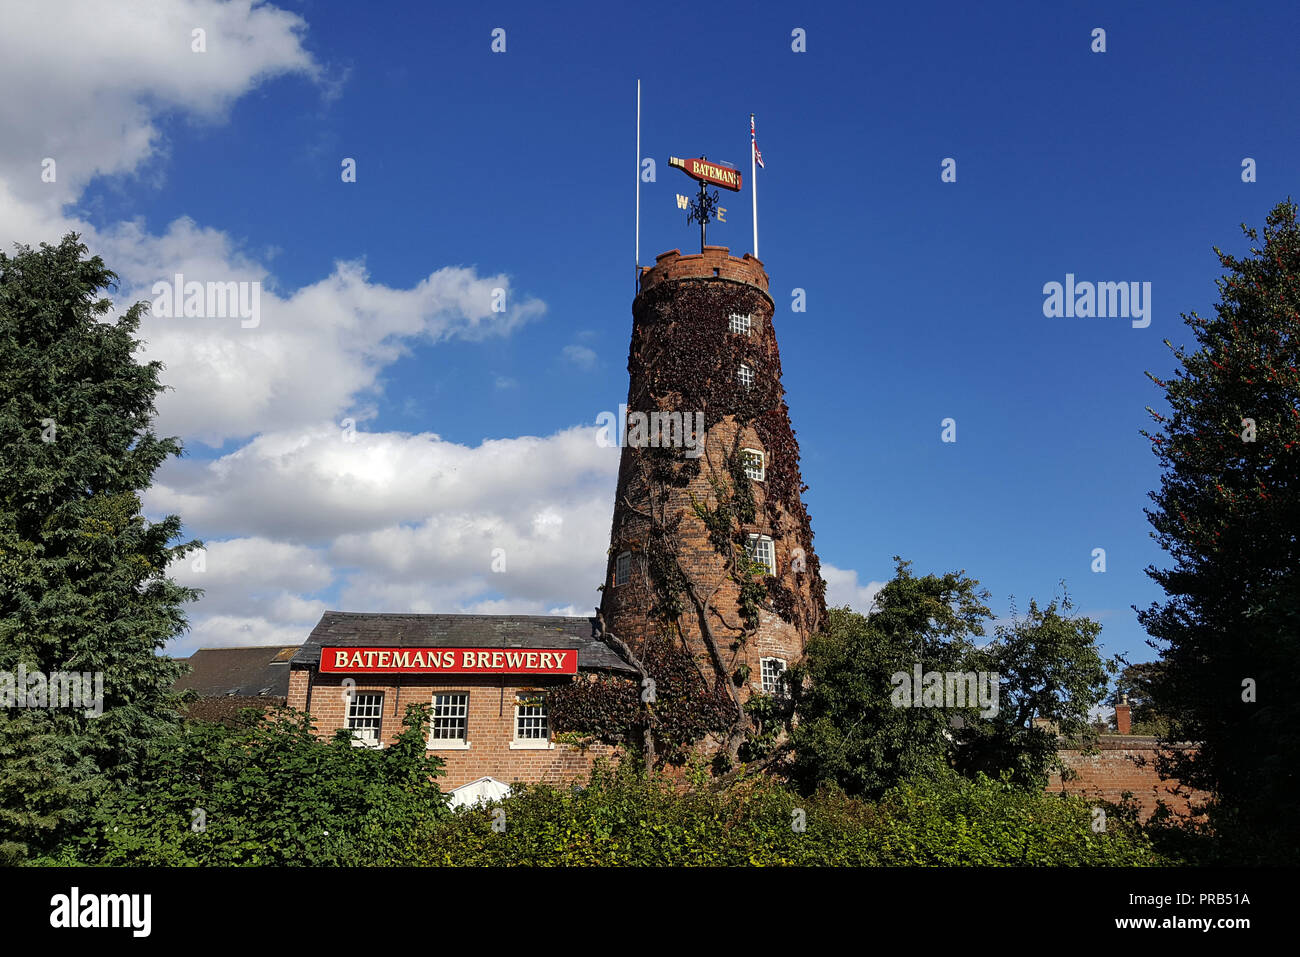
(758, 155)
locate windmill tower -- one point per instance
(711, 544)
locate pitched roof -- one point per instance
(344, 629)
(249, 672)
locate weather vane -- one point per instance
(705, 204)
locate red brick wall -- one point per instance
(490, 726)
(1125, 763)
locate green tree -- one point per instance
(1228, 512)
(1049, 669)
(848, 731)
(82, 574)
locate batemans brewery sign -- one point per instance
(707, 172)
(450, 661)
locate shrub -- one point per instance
(626, 818)
(266, 791)
(952, 820)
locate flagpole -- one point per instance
(753, 182)
(638, 180)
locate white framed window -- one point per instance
(622, 568)
(449, 722)
(365, 717)
(752, 461)
(739, 324)
(745, 375)
(532, 726)
(770, 670)
(762, 552)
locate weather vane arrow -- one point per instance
(704, 205)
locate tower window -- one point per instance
(622, 568)
(771, 669)
(739, 324)
(745, 375)
(762, 552)
(752, 461)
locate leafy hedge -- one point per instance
(958, 821)
(266, 792)
(623, 818)
(272, 794)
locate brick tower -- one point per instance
(711, 543)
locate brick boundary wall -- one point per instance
(1125, 763)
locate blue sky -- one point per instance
(924, 298)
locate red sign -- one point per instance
(707, 172)
(450, 661)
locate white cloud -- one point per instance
(572, 611)
(580, 356)
(224, 631)
(95, 76)
(396, 522)
(842, 588)
(251, 592)
(237, 565)
(313, 355)
(312, 485)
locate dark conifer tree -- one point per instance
(83, 585)
(1228, 513)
